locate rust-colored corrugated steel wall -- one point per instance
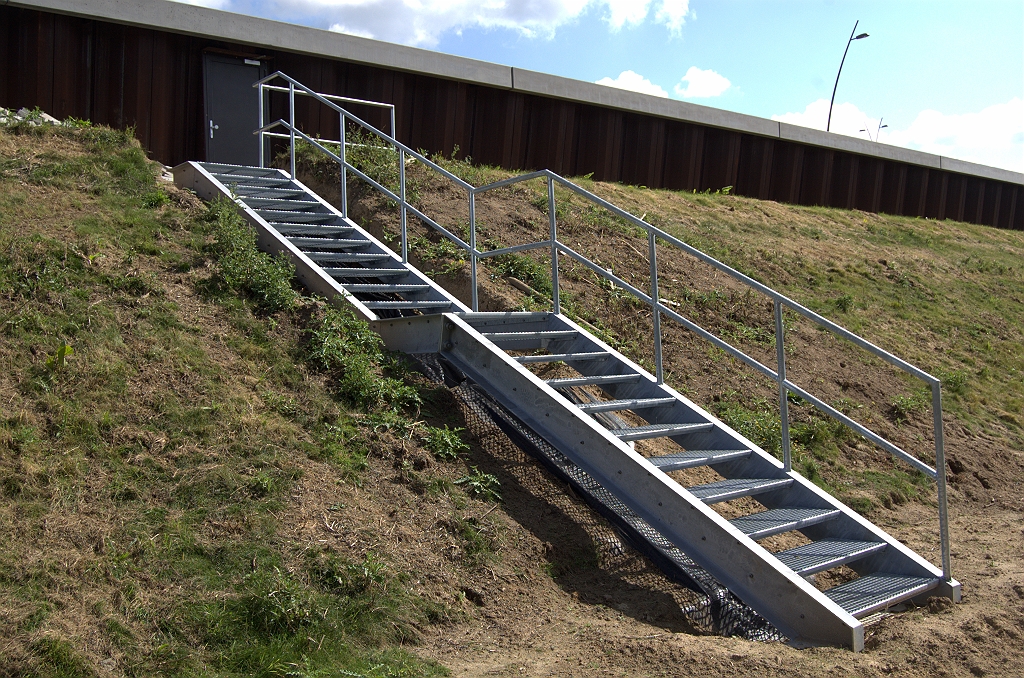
(152, 80)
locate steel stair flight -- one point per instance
(604, 412)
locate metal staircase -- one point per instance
(334, 255)
(598, 404)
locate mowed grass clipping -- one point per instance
(162, 390)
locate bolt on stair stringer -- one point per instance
(414, 315)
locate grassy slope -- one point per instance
(143, 470)
(144, 475)
(945, 296)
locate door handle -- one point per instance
(213, 127)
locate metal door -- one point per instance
(231, 108)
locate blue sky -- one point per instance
(946, 77)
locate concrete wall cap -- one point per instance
(841, 142)
(567, 89)
(974, 169)
(167, 15)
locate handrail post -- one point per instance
(261, 123)
(472, 248)
(553, 236)
(344, 171)
(780, 357)
(401, 193)
(393, 135)
(291, 123)
(652, 256)
(940, 479)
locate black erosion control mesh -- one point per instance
(706, 604)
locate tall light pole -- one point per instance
(828, 126)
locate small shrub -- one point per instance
(760, 426)
(275, 604)
(525, 268)
(59, 360)
(844, 303)
(345, 578)
(345, 345)
(903, 406)
(954, 382)
(482, 485)
(445, 443)
(243, 267)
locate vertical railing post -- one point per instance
(652, 256)
(940, 479)
(291, 123)
(260, 125)
(344, 169)
(780, 358)
(401, 194)
(472, 247)
(393, 135)
(553, 236)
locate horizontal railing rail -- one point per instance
(780, 302)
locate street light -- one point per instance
(877, 131)
(828, 126)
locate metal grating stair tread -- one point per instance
(779, 520)
(342, 257)
(383, 288)
(693, 458)
(628, 404)
(265, 192)
(310, 230)
(328, 243)
(407, 305)
(258, 202)
(517, 337)
(878, 591)
(292, 217)
(733, 488)
(564, 357)
(248, 173)
(340, 272)
(659, 430)
(566, 382)
(825, 554)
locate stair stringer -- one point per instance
(790, 603)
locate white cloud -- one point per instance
(422, 22)
(635, 83)
(674, 13)
(846, 118)
(621, 12)
(993, 136)
(700, 84)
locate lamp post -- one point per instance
(877, 132)
(828, 126)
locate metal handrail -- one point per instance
(651, 298)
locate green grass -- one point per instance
(165, 389)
